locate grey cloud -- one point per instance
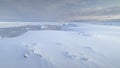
(52, 10)
(106, 11)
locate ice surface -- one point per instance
(69, 46)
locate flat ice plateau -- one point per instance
(70, 45)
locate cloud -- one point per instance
(98, 13)
(56, 10)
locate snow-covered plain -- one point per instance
(72, 45)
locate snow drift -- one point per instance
(72, 46)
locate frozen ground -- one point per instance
(70, 45)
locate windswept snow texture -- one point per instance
(69, 45)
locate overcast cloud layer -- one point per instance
(59, 10)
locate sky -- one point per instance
(59, 10)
